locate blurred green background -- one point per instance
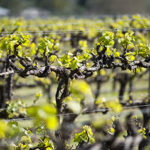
(45, 8)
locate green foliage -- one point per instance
(16, 109)
(115, 106)
(46, 58)
(130, 56)
(46, 45)
(73, 105)
(83, 45)
(111, 131)
(107, 39)
(53, 58)
(142, 50)
(86, 136)
(79, 89)
(116, 54)
(65, 60)
(9, 129)
(24, 143)
(3, 127)
(46, 143)
(38, 95)
(127, 40)
(75, 63)
(142, 132)
(46, 113)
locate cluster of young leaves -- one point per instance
(10, 129)
(15, 109)
(113, 105)
(8, 44)
(47, 45)
(46, 114)
(85, 136)
(22, 138)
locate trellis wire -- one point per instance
(95, 19)
(39, 25)
(100, 110)
(62, 32)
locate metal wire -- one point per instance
(100, 110)
(50, 25)
(62, 32)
